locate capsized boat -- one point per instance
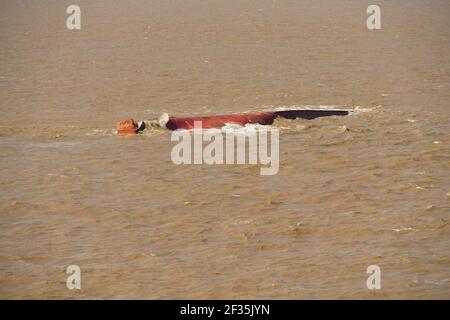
(218, 121)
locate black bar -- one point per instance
(226, 309)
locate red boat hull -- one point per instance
(265, 118)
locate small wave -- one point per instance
(353, 110)
(404, 229)
(101, 132)
(358, 109)
(56, 144)
(47, 132)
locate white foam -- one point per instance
(403, 229)
(249, 127)
(356, 109)
(235, 128)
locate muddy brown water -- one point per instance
(369, 189)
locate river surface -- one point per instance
(372, 188)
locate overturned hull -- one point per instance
(310, 114)
(265, 118)
(218, 121)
